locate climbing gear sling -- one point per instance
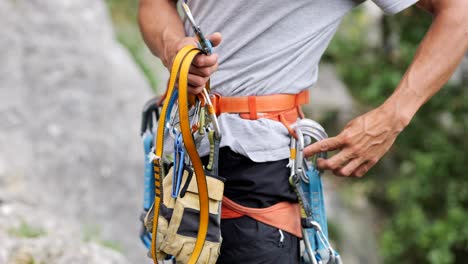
(178, 197)
(180, 70)
(306, 180)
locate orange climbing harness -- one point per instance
(285, 108)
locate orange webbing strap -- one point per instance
(283, 215)
(180, 69)
(260, 104)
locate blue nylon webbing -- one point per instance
(148, 195)
(313, 190)
(172, 100)
(179, 165)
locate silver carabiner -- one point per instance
(211, 113)
(306, 128)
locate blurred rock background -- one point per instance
(75, 75)
(70, 102)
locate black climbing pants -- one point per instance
(258, 185)
(246, 241)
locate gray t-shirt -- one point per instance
(269, 47)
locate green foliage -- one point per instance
(423, 197)
(93, 234)
(24, 230)
(123, 11)
(135, 46)
(124, 16)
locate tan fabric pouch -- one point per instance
(179, 218)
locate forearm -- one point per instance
(161, 26)
(436, 59)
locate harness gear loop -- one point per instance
(281, 215)
(180, 70)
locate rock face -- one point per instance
(330, 95)
(461, 74)
(70, 100)
(28, 235)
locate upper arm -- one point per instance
(437, 6)
(426, 5)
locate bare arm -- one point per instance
(160, 26)
(436, 59)
(367, 138)
(163, 31)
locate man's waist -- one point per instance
(284, 108)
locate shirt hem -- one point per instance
(398, 6)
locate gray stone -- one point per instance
(29, 235)
(330, 95)
(460, 76)
(70, 101)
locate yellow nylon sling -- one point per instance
(180, 69)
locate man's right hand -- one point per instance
(203, 65)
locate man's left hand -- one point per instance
(361, 144)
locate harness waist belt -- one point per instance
(258, 104)
(285, 108)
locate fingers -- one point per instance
(215, 39)
(325, 145)
(196, 83)
(336, 162)
(363, 169)
(202, 68)
(203, 71)
(202, 60)
(348, 169)
(362, 143)
(195, 90)
(354, 168)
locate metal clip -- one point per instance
(152, 157)
(179, 164)
(281, 242)
(212, 114)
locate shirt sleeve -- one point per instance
(394, 6)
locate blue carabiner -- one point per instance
(179, 165)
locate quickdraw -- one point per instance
(306, 181)
(179, 165)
